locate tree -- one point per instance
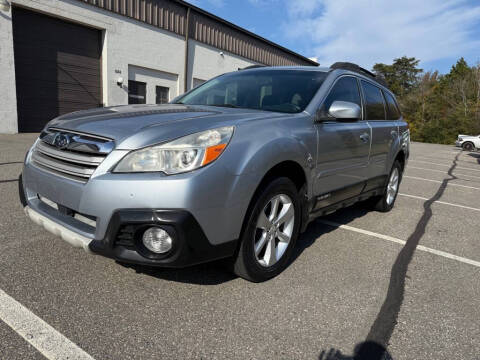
(401, 76)
(437, 107)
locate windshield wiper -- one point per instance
(225, 105)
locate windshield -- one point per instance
(287, 91)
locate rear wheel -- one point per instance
(385, 202)
(270, 233)
(468, 146)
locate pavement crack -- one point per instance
(384, 324)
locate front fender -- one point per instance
(254, 152)
(258, 147)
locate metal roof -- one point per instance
(247, 32)
(190, 21)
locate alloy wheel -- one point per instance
(274, 230)
(392, 186)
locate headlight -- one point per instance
(184, 154)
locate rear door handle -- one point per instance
(365, 137)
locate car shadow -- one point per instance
(475, 155)
(212, 273)
(316, 229)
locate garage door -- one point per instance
(57, 68)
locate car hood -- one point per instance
(134, 126)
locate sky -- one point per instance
(437, 32)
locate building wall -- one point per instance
(154, 78)
(179, 16)
(8, 108)
(214, 32)
(206, 62)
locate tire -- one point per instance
(264, 231)
(385, 202)
(468, 146)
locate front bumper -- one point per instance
(205, 228)
(458, 143)
(190, 243)
(68, 235)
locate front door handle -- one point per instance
(365, 137)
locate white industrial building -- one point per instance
(58, 56)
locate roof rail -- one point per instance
(251, 67)
(355, 68)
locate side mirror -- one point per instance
(345, 111)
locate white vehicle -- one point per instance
(468, 142)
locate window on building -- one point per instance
(161, 95)
(374, 105)
(197, 82)
(392, 110)
(137, 92)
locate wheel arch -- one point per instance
(468, 142)
(290, 169)
(401, 158)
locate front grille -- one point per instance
(76, 157)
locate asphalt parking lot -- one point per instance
(408, 279)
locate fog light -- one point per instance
(157, 240)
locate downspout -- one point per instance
(187, 29)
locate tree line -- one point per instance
(437, 107)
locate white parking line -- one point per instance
(443, 172)
(461, 158)
(439, 153)
(439, 182)
(48, 341)
(439, 202)
(450, 151)
(456, 167)
(402, 242)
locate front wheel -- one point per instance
(385, 202)
(468, 146)
(271, 230)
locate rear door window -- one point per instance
(374, 105)
(392, 110)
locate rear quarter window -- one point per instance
(393, 113)
(374, 104)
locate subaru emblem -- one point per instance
(61, 141)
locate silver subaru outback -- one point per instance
(235, 168)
